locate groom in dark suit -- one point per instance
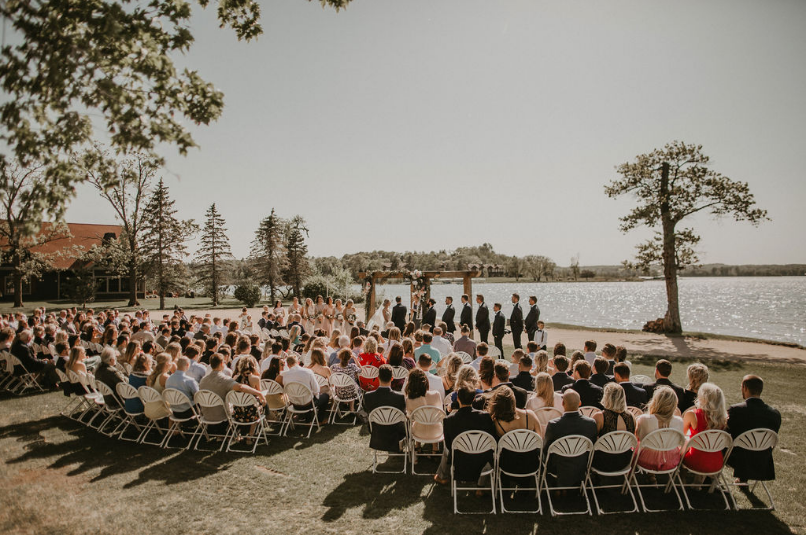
(430, 315)
(449, 314)
(482, 319)
(516, 321)
(532, 318)
(399, 314)
(466, 317)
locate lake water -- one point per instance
(772, 308)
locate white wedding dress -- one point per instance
(377, 319)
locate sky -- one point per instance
(427, 125)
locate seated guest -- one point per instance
(663, 369)
(590, 395)
(157, 410)
(108, 374)
(465, 418)
(660, 416)
(272, 373)
(319, 367)
(454, 362)
(182, 381)
(621, 356)
(501, 379)
(515, 358)
(396, 360)
(467, 377)
(561, 377)
(218, 382)
(540, 362)
(348, 366)
(439, 343)
(752, 413)
(486, 373)
(384, 437)
(137, 378)
(297, 374)
(602, 376)
(418, 394)
(569, 471)
(195, 370)
(246, 373)
(710, 413)
(428, 349)
(271, 351)
(506, 416)
(481, 351)
(545, 396)
(609, 354)
(636, 396)
(590, 351)
(524, 378)
(697, 375)
(21, 348)
(370, 357)
(465, 343)
(613, 417)
(434, 381)
(76, 362)
(343, 343)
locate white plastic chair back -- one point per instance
(62, 376)
(399, 372)
(270, 388)
(173, 397)
(386, 416)
(520, 441)
(426, 416)
(342, 380)
(298, 394)
(756, 440)
(547, 414)
(588, 411)
(322, 381)
(494, 352)
(641, 379)
(149, 395)
(504, 362)
(104, 389)
(369, 372)
(663, 440)
(710, 441)
(447, 402)
(570, 446)
(616, 442)
(241, 399)
(473, 442)
(208, 399)
(466, 358)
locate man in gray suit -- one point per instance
(570, 471)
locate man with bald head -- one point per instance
(569, 471)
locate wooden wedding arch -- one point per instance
(373, 277)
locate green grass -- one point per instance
(58, 477)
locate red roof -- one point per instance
(84, 234)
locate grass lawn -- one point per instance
(58, 477)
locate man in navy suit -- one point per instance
(499, 328)
(663, 369)
(636, 396)
(384, 437)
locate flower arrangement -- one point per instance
(351, 319)
(340, 316)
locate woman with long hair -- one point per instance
(409, 329)
(710, 412)
(467, 376)
(157, 410)
(613, 417)
(308, 314)
(545, 396)
(418, 395)
(541, 362)
(697, 375)
(506, 416)
(370, 357)
(338, 316)
(660, 416)
(330, 316)
(449, 380)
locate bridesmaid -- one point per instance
(279, 312)
(349, 310)
(308, 312)
(338, 321)
(330, 314)
(319, 315)
(295, 307)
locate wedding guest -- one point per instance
(500, 380)
(137, 378)
(515, 360)
(386, 438)
(439, 343)
(636, 396)
(408, 353)
(524, 378)
(569, 471)
(218, 382)
(182, 381)
(613, 417)
(273, 370)
(710, 413)
(451, 370)
(545, 396)
(347, 365)
(396, 360)
(419, 394)
(590, 351)
(506, 416)
(601, 377)
(663, 369)
(609, 354)
(590, 395)
(697, 375)
(660, 416)
(297, 374)
(429, 350)
(370, 357)
(465, 343)
(621, 356)
(467, 377)
(319, 366)
(540, 362)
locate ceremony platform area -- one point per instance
(57, 476)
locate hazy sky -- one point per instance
(426, 125)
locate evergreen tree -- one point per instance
(213, 252)
(296, 251)
(268, 252)
(164, 239)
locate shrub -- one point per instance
(248, 293)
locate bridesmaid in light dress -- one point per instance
(348, 311)
(330, 314)
(308, 312)
(338, 321)
(319, 322)
(295, 307)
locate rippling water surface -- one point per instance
(772, 308)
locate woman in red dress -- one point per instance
(709, 412)
(370, 357)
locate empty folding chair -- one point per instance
(148, 396)
(341, 385)
(472, 444)
(616, 444)
(588, 411)
(127, 392)
(255, 430)
(177, 401)
(665, 442)
(754, 440)
(212, 412)
(387, 417)
(570, 446)
(518, 457)
(709, 441)
(426, 428)
(275, 405)
(300, 401)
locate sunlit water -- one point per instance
(772, 308)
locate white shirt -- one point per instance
(264, 364)
(441, 345)
(304, 376)
(435, 383)
(541, 338)
(590, 356)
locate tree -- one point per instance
(575, 266)
(587, 274)
(670, 185)
(213, 252)
(164, 239)
(125, 186)
(268, 252)
(296, 251)
(24, 205)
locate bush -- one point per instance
(248, 293)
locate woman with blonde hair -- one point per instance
(467, 376)
(393, 337)
(308, 314)
(660, 416)
(76, 361)
(293, 335)
(174, 349)
(697, 375)
(132, 352)
(449, 380)
(545, 394)
(160, 373)
(541, 362)
(370, 357)
(319, 367)
(614, 417)
(333, 344)
(710, 413)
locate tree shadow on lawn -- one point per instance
(684, 351)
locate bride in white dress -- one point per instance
(381, 316)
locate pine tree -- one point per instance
(164, 239)
(213, 252)
(268, 252)
(297, 265)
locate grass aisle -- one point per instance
(58, 477)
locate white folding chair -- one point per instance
(343, 381)
(112, 411)
(569, 447)
(755, 440)
(74, 400)
(388, 416)
(275, 406)
(447, 402)
(425, 417)
(505, 362)
(669, 441)
(94, 397)
(369, 373)
(126, 392)
(150, 395)
(175, 398)
(300, 401)
(588, 411)
(494, 352)
(522, 441)
(472, 443)
(399, 372)
(641, 379)
(87, 404)
(466, 358)
(636, 412)
(245, 400)
(209, 400)
(708, 441)
(24, 380)
(614, 443)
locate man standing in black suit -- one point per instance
(384, 437)
(399, 314)
(482, 319)
(752, 413)
(466, 317)
(499, 327)
(430, 315)
(532, 318)
(449, 314)
(516, 321)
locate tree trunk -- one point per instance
(133, 286)
(17, 289)
(671, 322)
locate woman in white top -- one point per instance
(338, 316)
(279, 312)
(295, 307)
(308, 312)
(545, 396)
(661, 416)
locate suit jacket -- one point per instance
(430, 316)
(516, 319)
(752, 413)
(560, 379)
(524, 380)
(384, 437)
(570, 471)
(600, 379)
(636, 396)
(499, 325)
(399, 316)
(466, 317)
(467, 419)
(483, 318)
(650, 388)
(590, 395)
(448, 316)
(531, 318)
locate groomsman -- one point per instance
(516, 321)
(430, 315)
(399, 314)
(466, 317)
(499, 328)
(532, 318)
(449, 314)
(482, 319)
